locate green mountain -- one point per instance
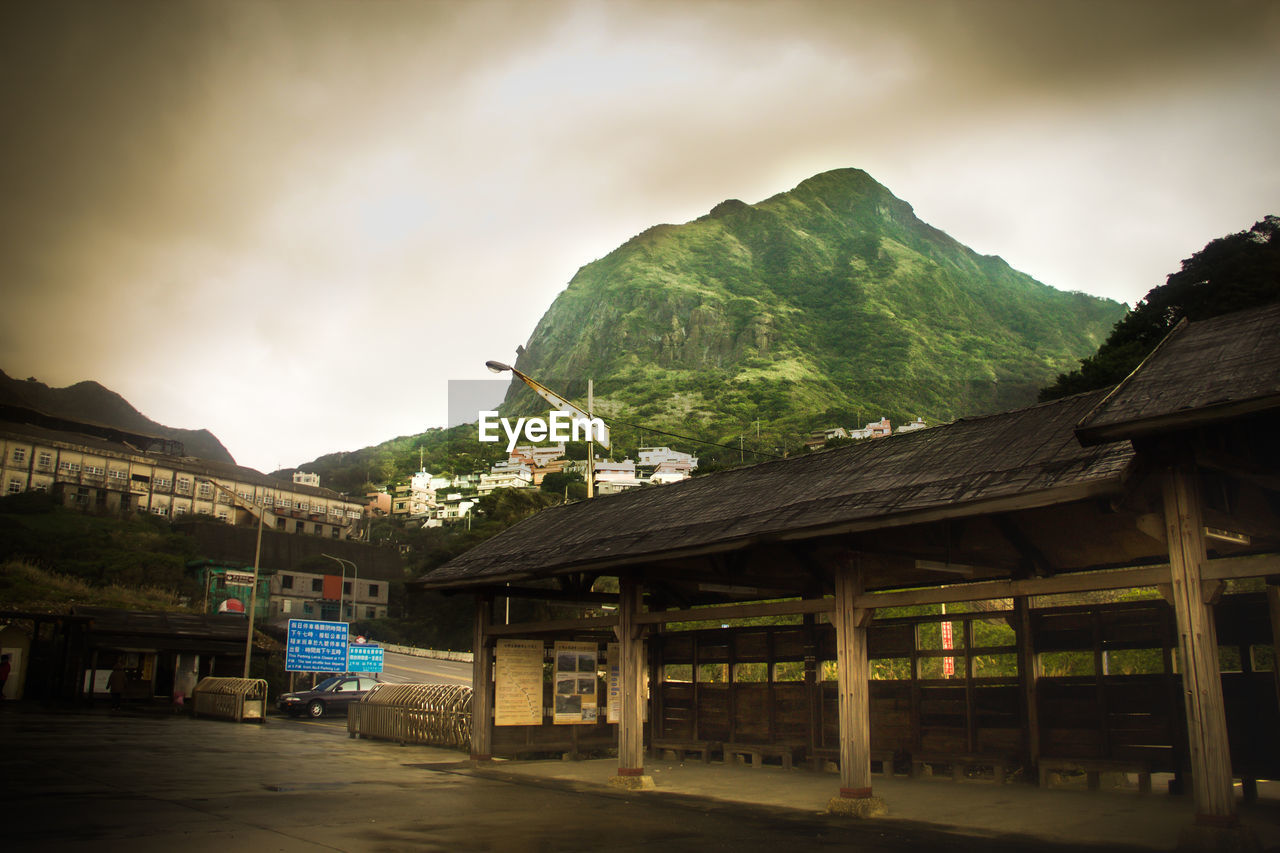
(91, 403)
(829, 305)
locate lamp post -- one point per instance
(565, 406)
(355, 583)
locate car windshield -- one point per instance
(328, 683)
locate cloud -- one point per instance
(292, 222)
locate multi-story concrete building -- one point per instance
(108, 470)
(330, 597)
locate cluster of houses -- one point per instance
(437, 500)
(876, 429)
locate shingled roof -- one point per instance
(1029, 457)
(1200, 373)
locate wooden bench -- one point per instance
(703, 748)
(757, 752)
(884, 757)
(961, 763)
(1093, 767)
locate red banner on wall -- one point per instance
(332, 587)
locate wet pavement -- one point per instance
(146, 781)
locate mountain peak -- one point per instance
(823, 306)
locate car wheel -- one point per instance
(316, 708)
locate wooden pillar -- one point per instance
(631, 654)
(1198, 642)
(631, 658)
(482, 683)
(1273, 604)
(854, 674)
(1029, 664)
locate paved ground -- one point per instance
(73, 781)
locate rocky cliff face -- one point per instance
(821, 306)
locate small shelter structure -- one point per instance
(1169, 483)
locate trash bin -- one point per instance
(239, 699)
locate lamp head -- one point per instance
(496, 366)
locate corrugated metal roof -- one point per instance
(1201, 372)
(955, 469)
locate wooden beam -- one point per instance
(1036, 561)
(547, 594)
(590, 623)
(1197, 634)
(745, 610)
(1223, 568)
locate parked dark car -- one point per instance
(332, 694)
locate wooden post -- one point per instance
(482, 683)
(631, 658)
(1273, 604)
(1197, 636)
(854, 674)
(1029, 664)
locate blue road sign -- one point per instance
(364, 658)
(316, 646)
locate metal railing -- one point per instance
(238, 699)
(432, 714)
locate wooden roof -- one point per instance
(160, 629)
(1200, 373)
(1014, 460)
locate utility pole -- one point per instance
(253, 597)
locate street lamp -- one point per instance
(565, 406)
(355, 583)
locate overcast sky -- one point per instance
(293, 222)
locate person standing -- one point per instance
(116, 684)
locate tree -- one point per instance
(1238, 271)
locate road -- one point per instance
(73, 781)
(410, 669)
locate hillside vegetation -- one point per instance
(831, 304)
(1234, 272)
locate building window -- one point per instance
(304, 506)
(334, 534)
(94, 471)
(44, 460)
(222, 515)
(317, 585)
(373, 590)
(286, 581)
(300, 527)
(184, 486)
(162, 482)
(117, 474)
(370, 612)
(19, 455)
(15, 486)
(346, 587)
(286, 605)
(41, 487)
(69, 467)
(307, 609)
(319, 530)
(160, 510)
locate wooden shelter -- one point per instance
(1171, 480)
